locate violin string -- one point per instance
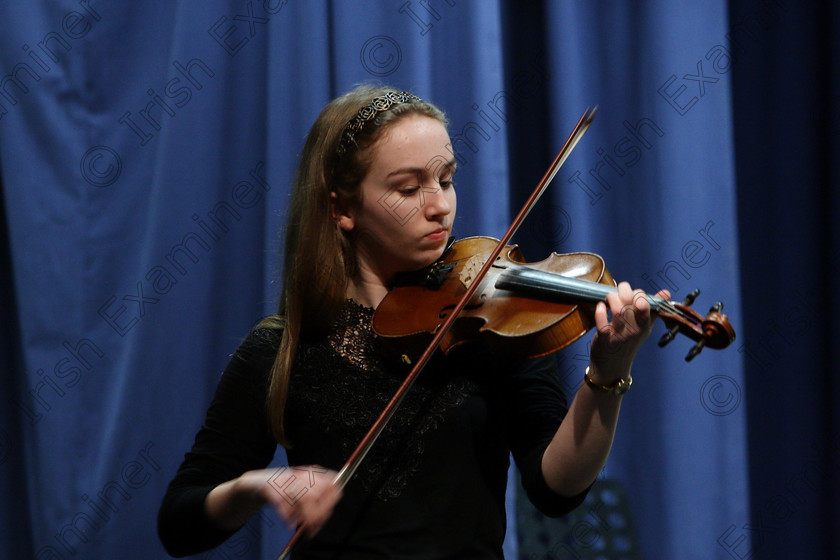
(672, 308)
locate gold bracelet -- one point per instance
(618, 388)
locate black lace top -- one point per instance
(432, 486)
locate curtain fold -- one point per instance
(786, 143)
(653, 191)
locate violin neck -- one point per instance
(553, 286)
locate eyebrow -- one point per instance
(451, 164)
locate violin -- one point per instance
(476, 290)
(522, 309)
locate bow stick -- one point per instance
(358, 455)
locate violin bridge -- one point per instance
(470, 270)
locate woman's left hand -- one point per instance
(617, 341)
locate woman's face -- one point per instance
(408, 199)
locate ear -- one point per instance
(341, 216)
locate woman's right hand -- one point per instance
(302, 496)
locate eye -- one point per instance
(446, 180)
(408, 190)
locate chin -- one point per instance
(421, 263)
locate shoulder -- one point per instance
(262, 342)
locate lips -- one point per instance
(438, 234)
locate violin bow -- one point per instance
(358, 455)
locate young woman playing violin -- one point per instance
(315, 377)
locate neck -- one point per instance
(366, 289)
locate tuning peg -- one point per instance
(716, 308)
(689, 299)
(668, 336)
(695, 350)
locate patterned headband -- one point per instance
(371, 111)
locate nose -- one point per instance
(438, 203)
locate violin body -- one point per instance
(509, 322)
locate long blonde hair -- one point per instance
(319, 258)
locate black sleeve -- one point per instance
(537, 406)
(234, 438)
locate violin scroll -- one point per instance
(713, 330)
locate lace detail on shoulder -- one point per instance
(260, 345)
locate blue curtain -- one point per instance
(787, 132)
(146, 153)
